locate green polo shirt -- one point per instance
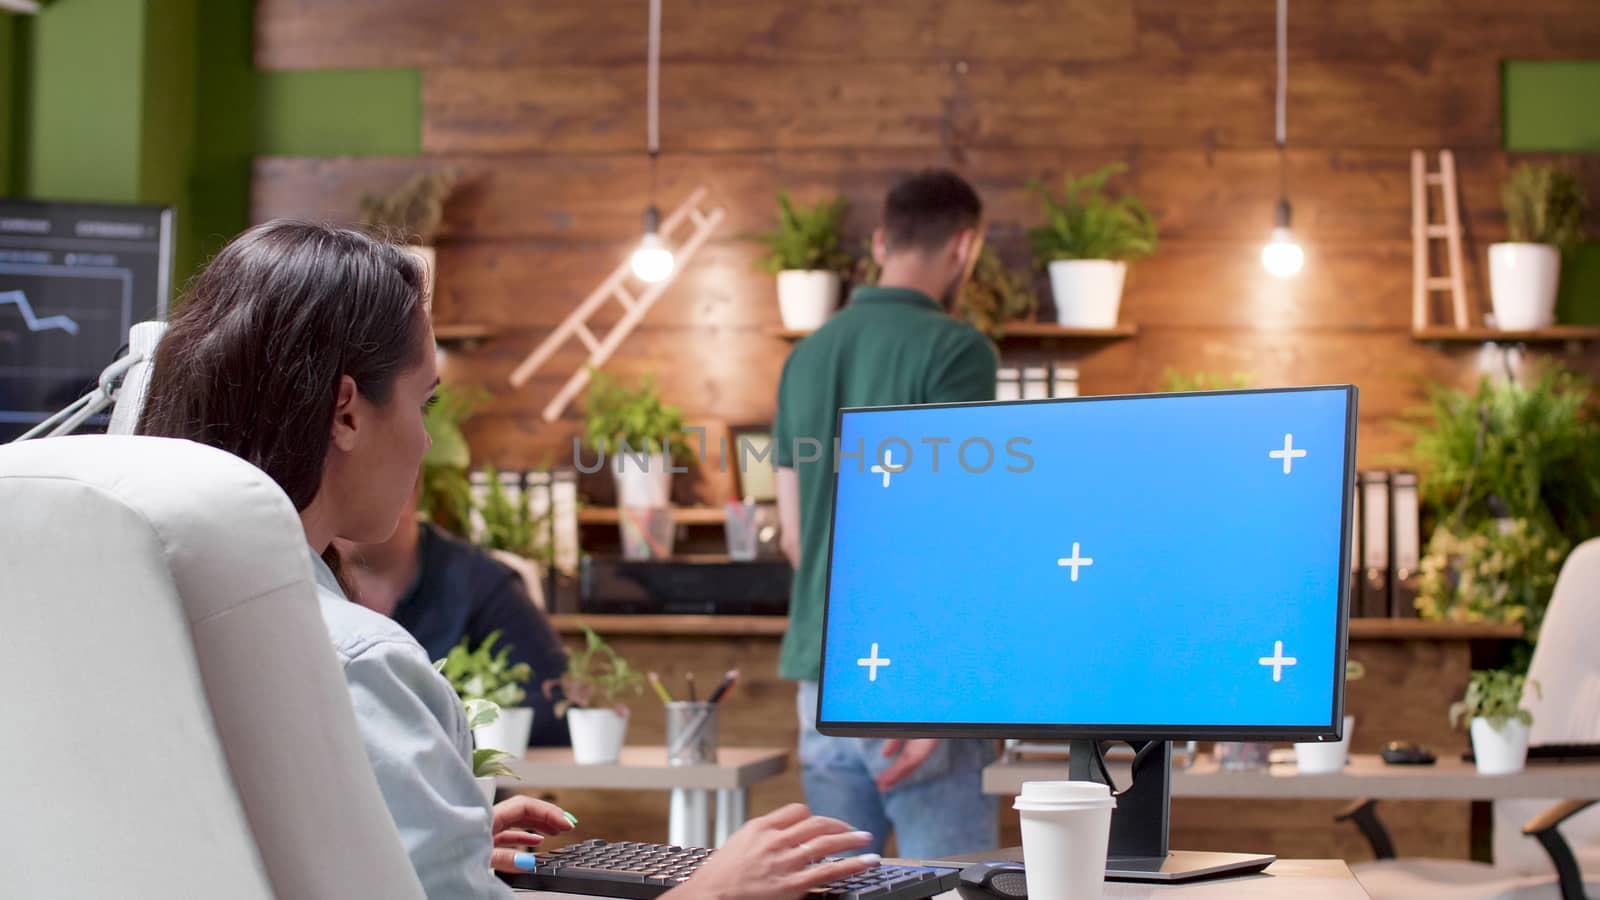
(890, 346)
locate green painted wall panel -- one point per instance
(1552, 105)
(224, 126)
(167, 125)
(8, 105)
(85, 101)
(343, 112)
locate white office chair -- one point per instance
(1566, 709)
(174, 719)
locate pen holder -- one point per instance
(691, 733)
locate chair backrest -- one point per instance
(176, 720)
(1565, 707)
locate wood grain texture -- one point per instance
(315, 33)
(1223, 101)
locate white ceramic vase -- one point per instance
(1324, 757)
(486, 785)
(596, 735)
(807, 298)
(508, 733)
(1088, 292)
(1522, 285)
(648, 485)
(1499, 751)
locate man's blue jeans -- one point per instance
(939, 810)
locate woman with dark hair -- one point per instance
(306, 351)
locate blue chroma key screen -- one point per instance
(1167, 565)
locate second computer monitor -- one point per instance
(1167, 566)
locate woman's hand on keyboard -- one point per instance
(778, 857)
(521, 822)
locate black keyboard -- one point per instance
(637, 871)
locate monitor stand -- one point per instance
(1138, 850)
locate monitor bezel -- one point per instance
(1040, 731)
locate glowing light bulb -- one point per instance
(1282, 257)
(652, 262)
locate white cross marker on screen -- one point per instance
(886, 470)
(873, 663)
(1277, 661)
(1288, 454)
(1075, 561)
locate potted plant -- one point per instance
(1086, 243)
(446, 495)
(1323, 757)
(1544, 215)
(806, 254)
(641, 435)
(1499, 724)
(412, 213)
(487, 674)
(488, 763)
(592, 688)
(995, 295)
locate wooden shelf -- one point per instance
(1027, 331)
(462, 334)
(1419, 629)
(1554, 334)
(670, 625)
(681, 515)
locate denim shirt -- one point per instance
(415, 733)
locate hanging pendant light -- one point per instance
(652, 262)
(1282, 256)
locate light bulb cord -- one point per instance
(1282, 106)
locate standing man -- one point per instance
(895, 344)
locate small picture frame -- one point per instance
(752, 458)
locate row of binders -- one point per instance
(1036, 382)
(1385, 545)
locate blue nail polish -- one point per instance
(527, 862)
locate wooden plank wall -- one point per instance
(542, 107)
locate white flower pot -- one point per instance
(508, 733)
(1088, 292)
(807, 298)
(1324, 757)
(486, 785)
(596, 735)
(1522, 283)
(1499, 751)
(649, 485)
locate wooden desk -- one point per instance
(645, 768)
(1366, 776)
(1302, 879)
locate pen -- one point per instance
(689, 677)
(661, 690)
(725, 686)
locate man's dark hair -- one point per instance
(925, 210)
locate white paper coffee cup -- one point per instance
(1066, 826)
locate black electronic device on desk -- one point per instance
(640, 871)
(993, 881)
(1403, 753)
(686, 585)
(1555, 753)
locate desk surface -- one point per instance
(646, 769)
(1303, 879)
(1366, 776)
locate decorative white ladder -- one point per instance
(1423, 230)
(615, 287)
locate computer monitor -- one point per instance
(74, 279)
(1143, 568)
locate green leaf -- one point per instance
(1086, 224)
(487, 761)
